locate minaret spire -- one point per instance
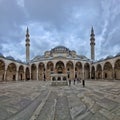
(27, 46)
(92, 43)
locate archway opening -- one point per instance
(70, 70)
(21, 73)
(27, 73)
(11, 72)
(50, 70)
(99, 72)
(60, 67)
(41, 71)
(93, 73)
(108, 71)
(87, 71)
(117, 70)
(78, 70)
(2, 70)
(33, 72)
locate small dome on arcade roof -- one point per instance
(18, 60)
(118, 54)
(108, 57)
(1, 55)
(101, 59)
(10, 57)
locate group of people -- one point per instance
(76, 80)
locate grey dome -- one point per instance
(60, 49)
(100, 59)
(10, 58)
(1, 55)
(118, 54)
(18, 60)
(108, 57)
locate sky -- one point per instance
(59, 22)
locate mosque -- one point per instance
(60, 63)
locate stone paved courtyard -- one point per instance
(38, 100)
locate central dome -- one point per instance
(60, 49)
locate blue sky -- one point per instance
(59, 22)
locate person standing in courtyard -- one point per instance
(69, 82)
(83, 83)
(74, 81)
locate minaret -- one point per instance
(27, 46)
(92, 44)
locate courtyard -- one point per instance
(38, 100)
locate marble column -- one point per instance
(37, 72)
(5, 74)
(16, 76)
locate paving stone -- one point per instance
(76, 106)
(62, 111)
(98, 116)
(4, 97)
(107, 114)
(4, 113)
(47, 111)
(107, 103)
(99, 100)
(95, 108)
(99, 94)
(86, 116)
(26, 113)
(116, 111)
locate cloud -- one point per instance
(60, 12)
(59, 22)
(20, 3)
(107, 38)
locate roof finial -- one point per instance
(92, 30)
(27, 31)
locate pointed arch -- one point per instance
(49, 70)
(70, 65)
(86, 71)
(21, 73)
(107, 71)
(70, 69)
(50, 66)
(60, 67)
(33, 72)
(93, 72)
(2, 70)
(27, 73)
(99, 71)
(117, 69)
(11, 72)
(78, 70)
(41, 71)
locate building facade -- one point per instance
(60, 61)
